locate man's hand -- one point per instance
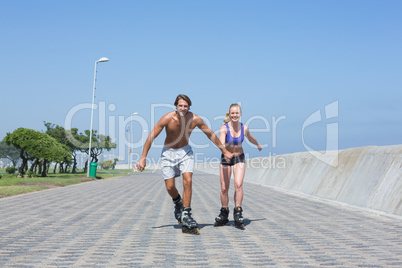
(228, 155)
(141, 164)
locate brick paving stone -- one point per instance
(128, 222)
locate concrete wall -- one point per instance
(368, 177)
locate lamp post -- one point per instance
(144, 133)
(103, 59)
(131, 135)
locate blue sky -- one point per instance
(282, 60)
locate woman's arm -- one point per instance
(251, 138)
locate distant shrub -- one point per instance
(11, 170)
(106, 164)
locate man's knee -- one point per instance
(170, 188)
(170, 184)
(187, 179)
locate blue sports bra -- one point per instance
(234, 141)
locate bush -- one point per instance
(30, 173)
(11, 170)
(106, 164)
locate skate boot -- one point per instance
(189, 225)
(178, 208)
(222, 218)
(238, 218)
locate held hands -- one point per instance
(228, 155)
(141, 164)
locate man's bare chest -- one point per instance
(178, 127)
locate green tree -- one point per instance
(98, 145)
(115, 162)
(101, 143)
(36, 145)
(48, 149)
(9, 152)
(80, 141)
(21, 139)
(63, 136)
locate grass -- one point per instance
(11, 185)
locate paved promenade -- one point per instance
(128, 222)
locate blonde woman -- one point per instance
(232, 134)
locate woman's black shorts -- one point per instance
(233, 161)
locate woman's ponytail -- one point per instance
(227, 116)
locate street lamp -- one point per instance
(131, 135)
(103, 59)
(144, 134)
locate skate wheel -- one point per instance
(217, 224)
(240, 226)
(195, 231)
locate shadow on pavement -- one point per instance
(200, 225)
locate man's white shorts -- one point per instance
(176, 161)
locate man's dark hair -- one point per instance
(182, 97)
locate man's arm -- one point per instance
(151, 137)
(222, 134)
(211, 135)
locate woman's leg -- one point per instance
(238, 172)
(225, 173)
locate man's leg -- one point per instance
(176, 198)
(171, 188)
(187, 188)
(189, 225)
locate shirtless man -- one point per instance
(177, 156)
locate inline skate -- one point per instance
(178, 209)
(189, 225)
(222, 218)
(238, 218)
